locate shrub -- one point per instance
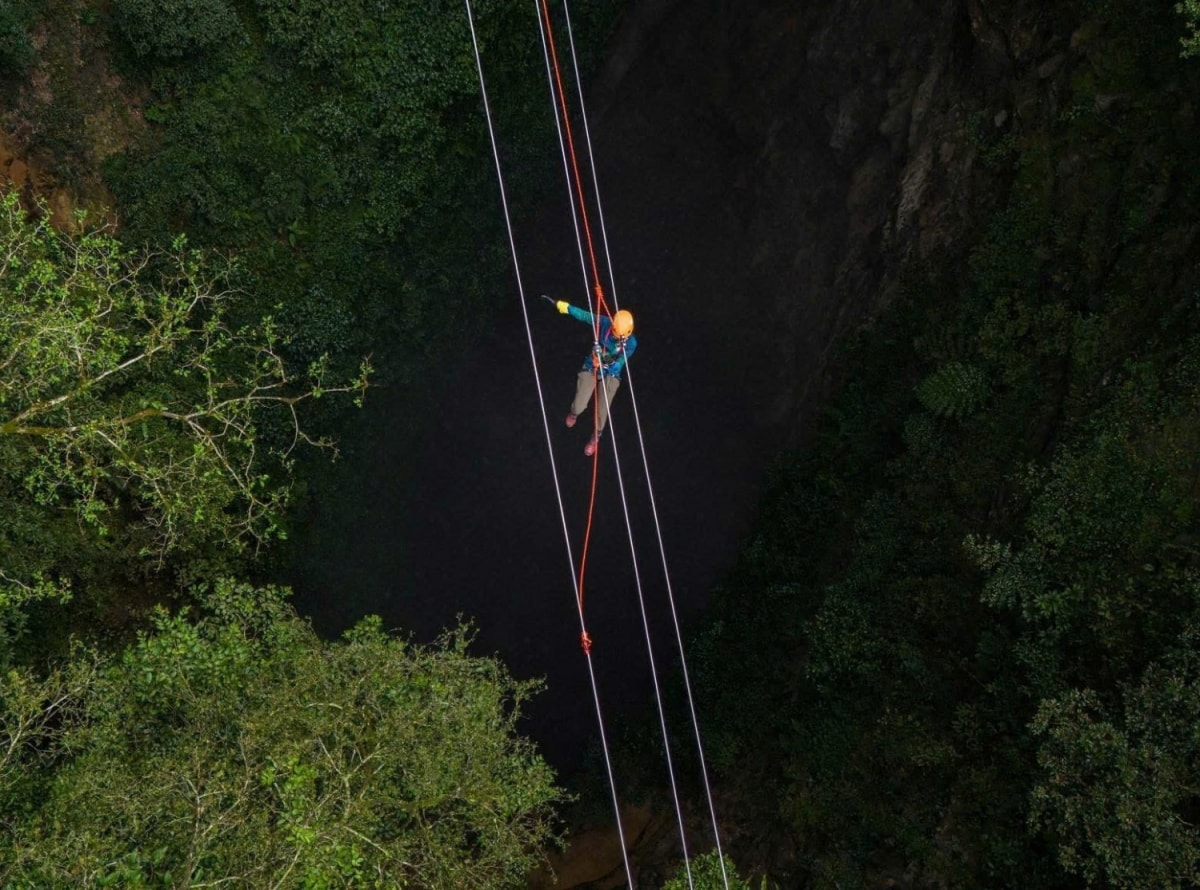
(954, 390)
(172, 29)
(707, 874)
(1190, 10)
(16, 50)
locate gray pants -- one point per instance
(585, 385)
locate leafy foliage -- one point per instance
(953, 390)
(114, 385)
(1190, 10)
(1115, 790)
(707, 872)
(168, 29)
(238, 746)
(16, 49)
(131, 398)
(961, 644)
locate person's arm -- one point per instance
(566, 308)
(580, 315)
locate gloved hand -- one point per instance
(562, 306)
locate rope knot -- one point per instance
(585, 643)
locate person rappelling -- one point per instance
(607, 360)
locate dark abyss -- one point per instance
(476, 530)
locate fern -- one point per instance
(954, 390)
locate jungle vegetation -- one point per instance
(963, 645)
(300, 200)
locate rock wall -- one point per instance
(20, 172)
(64, 116)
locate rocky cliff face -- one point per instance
(831, 143)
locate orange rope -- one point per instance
(587, 229)
(601, 309)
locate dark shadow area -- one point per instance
(474, 528)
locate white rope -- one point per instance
(646, 465)
(601, 391)
(662, 716)
(549, 445)
(562, 147)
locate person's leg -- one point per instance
(584, 385)
(611, 384)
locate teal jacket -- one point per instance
(612, 354)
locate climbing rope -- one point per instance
(584, 636)
(596, 191)
(567, 146)
(594, 287)
(566, 143)
(556, 83)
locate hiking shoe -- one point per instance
(590, 448)
(571, 418)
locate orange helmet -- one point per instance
(622, 323)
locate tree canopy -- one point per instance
(301, 188)
(235, 745)
(1190, 9)
(136, 406)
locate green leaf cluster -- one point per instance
(1190, 10)
(168, 29)
(707, 872)
(235, 745)
(16, 48)
(953, 390)
(1119, 785)
(132, 391)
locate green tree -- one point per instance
(33, 714)
(133, 403)
(174, 28)
(112, 383)
(707, 873)
(1190, 10)
(238, 746)
(1118, 789)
